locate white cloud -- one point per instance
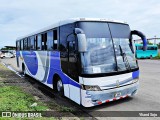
(18, 17)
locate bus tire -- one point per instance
(58, 86)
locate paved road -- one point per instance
(148, 97)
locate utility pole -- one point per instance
(155, 40)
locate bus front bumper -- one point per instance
(93, 98)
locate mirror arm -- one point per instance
(143, 37)
(130, 44)
(78, 31)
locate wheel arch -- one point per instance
(55, 79)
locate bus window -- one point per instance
(140, 48)
(39, 42)
(150, 48)
(18, 45)
(155, 48)
(65, 30)
(49, 40)
(21, 47)
(44, 40)
(25, 43)
(55, 39)
(28, 43)
(32, 43)
(72, 71)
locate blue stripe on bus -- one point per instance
(71, 82)
(54, 66)
(31, 61)
(135, 74)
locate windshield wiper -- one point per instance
(125, 59)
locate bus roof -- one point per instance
(71, 20)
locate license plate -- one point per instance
(118, 94)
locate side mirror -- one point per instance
(82, 42)
(143, 37)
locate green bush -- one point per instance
(157, 57)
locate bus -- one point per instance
(152, 51)
(90, 61)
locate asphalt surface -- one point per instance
(147, 99)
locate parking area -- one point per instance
(148, 95)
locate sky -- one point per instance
(21, 17)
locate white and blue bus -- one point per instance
(90, 61)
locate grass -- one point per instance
(13, 98)
(3, 67)
(157, 57)
(4, 70)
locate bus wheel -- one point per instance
(60, 88)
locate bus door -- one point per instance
(74, 90)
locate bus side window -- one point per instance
(148, 48)
(39, 42)
(21, 46)
(55, 39)
(155, 48)
(49, 40)
(44, 40)
(25, 44)
(32, 46)
(18, 45)
(28, 43)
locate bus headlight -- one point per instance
(91, 87)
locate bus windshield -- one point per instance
(103, 52)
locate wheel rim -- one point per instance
(59, 85)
